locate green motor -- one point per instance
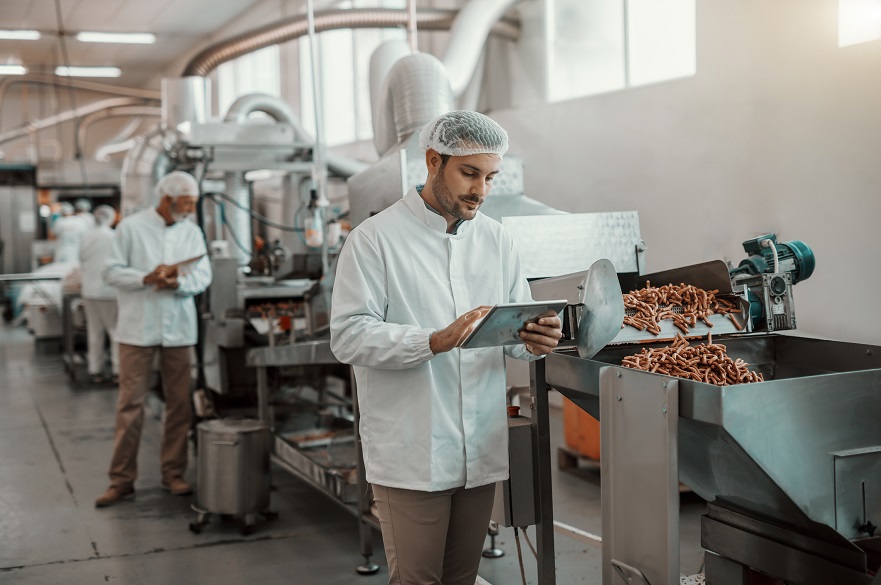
(794, 258)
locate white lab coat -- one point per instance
(428, 422)
(93, 255)
(69, 231)
(149, 316)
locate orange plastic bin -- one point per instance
(581, 431)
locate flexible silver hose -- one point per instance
(292, 28)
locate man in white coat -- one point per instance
(411, 283)
(99, 298)
(157, 263)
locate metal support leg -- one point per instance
(263, 397)
(722, 571)
(538, 393)
(493, 552)
(365, 534)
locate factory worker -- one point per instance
(99, 298)
(83, 209)
(157, 263)
(69, 230)
(411, 283)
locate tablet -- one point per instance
(503, 323)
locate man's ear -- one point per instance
(433, 161)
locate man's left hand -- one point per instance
(543, 336)
(164, 282)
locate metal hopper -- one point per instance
(791, 466)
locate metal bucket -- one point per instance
(234, 473)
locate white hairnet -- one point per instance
(66, 208)
(104, 215)
(177, 184)
(82, 205)
(463, 133)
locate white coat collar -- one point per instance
(156, 218)
(434, 221)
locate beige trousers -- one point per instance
(135, 365)
(433, 538)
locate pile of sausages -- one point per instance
(653, 304)
(706, 362)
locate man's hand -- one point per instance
(543, 336)
(163, 276)
(456, 332)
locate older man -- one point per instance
(433, 418)
(157, 264)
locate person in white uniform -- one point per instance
(68, 230)
(84, 212)
(411, 283)
(99, 298)
(157, 263)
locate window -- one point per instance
(343, 77)
(596, 46)
(859, 21)
(256, 72)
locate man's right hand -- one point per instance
(163, 272)
(456, 332)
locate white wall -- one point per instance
(780, 131)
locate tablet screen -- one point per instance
(503, 323)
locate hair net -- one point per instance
(177, 184)
(82, 205)
(104, 215)
(66, 208)
(462, 133)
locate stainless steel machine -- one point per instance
(790, 467)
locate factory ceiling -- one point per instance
(180, 26)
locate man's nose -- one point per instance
(480, 188)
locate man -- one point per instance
(411, 283)
(99, 298)
(157, 264)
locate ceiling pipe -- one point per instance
(293, 28)
(114, 112)
(67, 116)
(51, 80)
(470, 30)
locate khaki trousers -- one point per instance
(135, 365)
(433, 538)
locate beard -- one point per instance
(450, 203)
(179, 217)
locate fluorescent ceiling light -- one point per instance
(12, 70)
(20, 35)
(87, 71)
(104, 37)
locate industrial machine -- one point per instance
(766, 277)
(790, 473)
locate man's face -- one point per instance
(183, 207)
(462, 183)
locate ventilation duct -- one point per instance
(295, 27)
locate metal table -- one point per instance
(294, 460)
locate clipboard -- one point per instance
(503, 323)
(187, 261)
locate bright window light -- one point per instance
(104, 37)
(88, 71)
(859, 21)
(20, 35)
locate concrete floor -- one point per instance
(55, 442)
